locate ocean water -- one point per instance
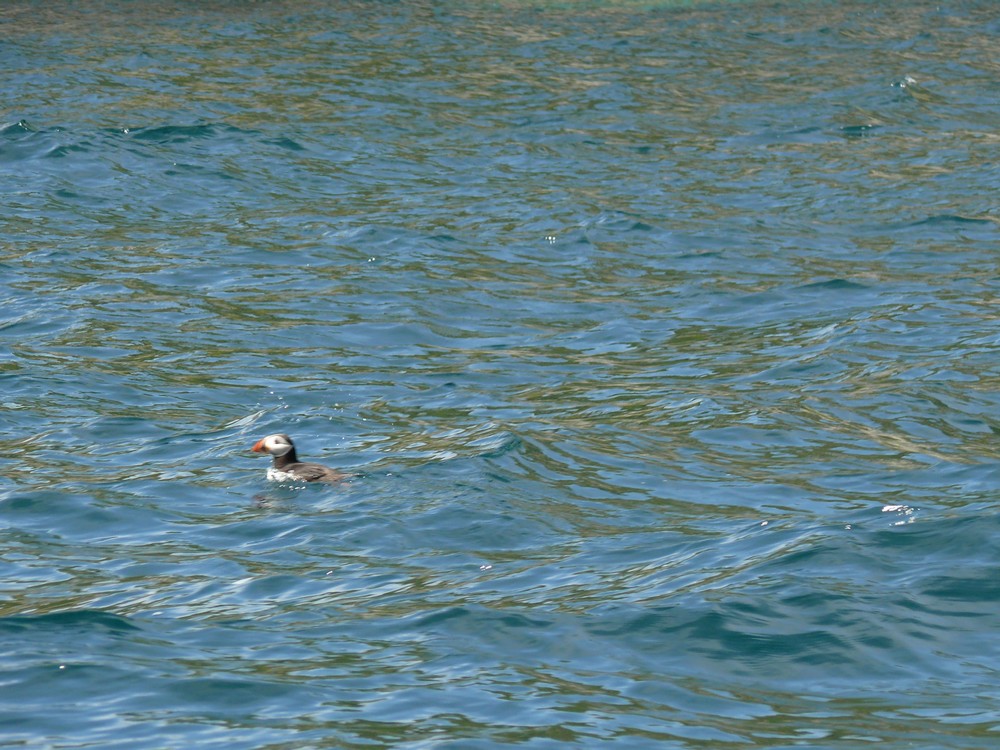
(660, 340)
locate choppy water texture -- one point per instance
(661, 342)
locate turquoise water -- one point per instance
(661, 343)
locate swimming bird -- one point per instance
(287, 466)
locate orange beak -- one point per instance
(258, 447)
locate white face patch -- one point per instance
(276, 445)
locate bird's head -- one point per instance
(275, 445)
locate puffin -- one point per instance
(287, 466)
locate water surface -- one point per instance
(660, 340)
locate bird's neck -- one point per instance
(281, 462)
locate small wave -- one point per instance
(179, 133)
(81, 619)
(950, 219)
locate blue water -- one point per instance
(660, 341)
